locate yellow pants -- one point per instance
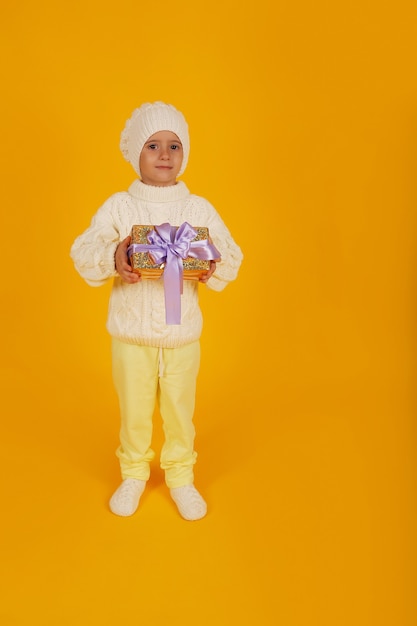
(143, 376)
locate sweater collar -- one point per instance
(138, 189)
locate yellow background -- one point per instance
(303, 131)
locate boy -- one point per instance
(152, 360)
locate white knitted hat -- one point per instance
(145, 122)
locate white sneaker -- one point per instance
(189, 502)
(125, 499)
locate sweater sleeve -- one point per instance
(231, 255)
(93, 251)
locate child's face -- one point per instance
(161, 159)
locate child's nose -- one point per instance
(164, 153)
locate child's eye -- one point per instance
(175, 146)
(152, 146)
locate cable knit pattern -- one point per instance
(137, 311)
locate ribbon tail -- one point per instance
(173, 278)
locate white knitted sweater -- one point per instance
(137, 311)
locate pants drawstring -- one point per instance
(161, 363)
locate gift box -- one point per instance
(175, 253)
(144, 262)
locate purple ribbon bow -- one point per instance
(170, 245)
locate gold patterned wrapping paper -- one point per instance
(143, 264)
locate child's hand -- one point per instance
(211, 271)
(122, 264)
